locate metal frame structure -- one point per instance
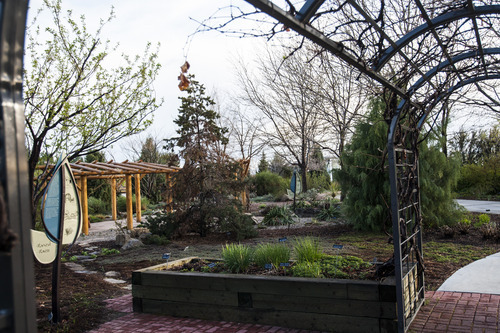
(17, 303)
(446, 46)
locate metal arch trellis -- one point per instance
(448, 45)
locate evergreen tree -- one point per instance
(438, 176)
(263, 163)
(365, 177)
(203, 186)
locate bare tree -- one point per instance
(243, 131)
(345, 96)
(73, 101)
(287, 94)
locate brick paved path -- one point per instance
(458, 312)
(442, 312)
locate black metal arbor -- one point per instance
(421, 52)
(17, 300)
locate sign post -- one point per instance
(62, 220)
(295, 186)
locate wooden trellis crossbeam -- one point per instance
(114, 170)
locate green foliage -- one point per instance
(162, 225)
(205, 184)
(267, 182)
(263, 198)
(98, 188)
(438, 176)
(480, 155)
(278, 215)
(231, 220)
(106, 251)
(153, 185)
(363, 178)
(307, 269)
(464, 225)
(76, 98)
(157, 240)
(96, 218)
(307, 249)
(237, 257)
(341, 266)
(330, 212)
(97, 206)
(263, 163)
(483, 219)
(319, 181)
(271, 254)
(480, 181)
(365, 181)
(121, 203)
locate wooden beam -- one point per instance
(85, 205)
(138, 197)
(130, 213)
(113, 198)
(169, 199)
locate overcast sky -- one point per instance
(168, 22)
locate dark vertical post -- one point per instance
(17, 301)
(56, 266)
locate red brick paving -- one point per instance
(458, 312)
(148, 323)
(442, 312)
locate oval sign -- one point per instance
(57, 210)
(44, 249)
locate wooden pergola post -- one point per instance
(169, 198)
(85, 205)
(130, 213)
(138, 197)
(113, 198)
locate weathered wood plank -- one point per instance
(198, 296)
(371, 309)
(247, 283)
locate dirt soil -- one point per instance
(82, 295)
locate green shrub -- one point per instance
(269, 183)
(237, 257)
(307, 249)
(319, 181)
(156, 240)
(278, 215)
(329, 212)
(464, 225)
(106, 251)
(163, 225)
(483, 219)
(97, 206)
(264, 198)
(96, 218)
(339, 267)
(271, 254)
(231, 220)
(121, 203)
(307, 269)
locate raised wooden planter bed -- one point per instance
(313, 304)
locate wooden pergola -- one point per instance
(116, 172)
